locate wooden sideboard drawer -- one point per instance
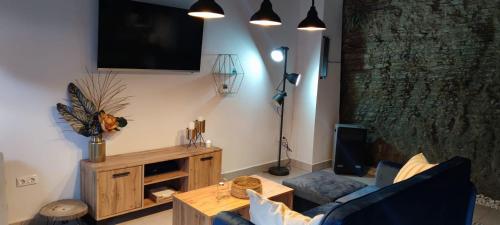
(205, 170)
(119, 191)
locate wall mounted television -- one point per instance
(136, 35)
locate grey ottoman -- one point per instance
(322, 187)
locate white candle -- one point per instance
(208, 143)
(200, 118)
(191, 125)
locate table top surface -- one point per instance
(149, 156)
(205, 200)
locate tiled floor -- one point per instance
(482, 215)
(486, 216)
(161, 218)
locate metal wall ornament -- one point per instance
(228, 74)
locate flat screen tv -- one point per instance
(135, 35)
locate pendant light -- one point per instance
(266, 16)
(207, 9)
(312, 22)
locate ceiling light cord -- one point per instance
(313, 2)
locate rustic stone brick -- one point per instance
(424, 75)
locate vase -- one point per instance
(97, 149)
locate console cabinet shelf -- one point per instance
(120, 184)
(165, 177)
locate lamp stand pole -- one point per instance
(281, 170)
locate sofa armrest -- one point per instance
(386, 172)
(230, 218)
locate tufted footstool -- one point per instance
(320, 187)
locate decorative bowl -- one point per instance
(241, 184)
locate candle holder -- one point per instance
(200, 130)
(191, 136)
(195, 132)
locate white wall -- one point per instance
(308, 57)
(316, 102)
(44, 45)
(328, 100)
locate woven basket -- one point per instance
(241, 184)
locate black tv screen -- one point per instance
(135, 35)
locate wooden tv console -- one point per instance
(120, 184)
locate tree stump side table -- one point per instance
(64, 211)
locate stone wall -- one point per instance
(424, 75)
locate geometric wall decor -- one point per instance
(228, 74)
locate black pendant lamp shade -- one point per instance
(279, 98)
(207, 9)
(266, 16)
(312, 22)
(293, 78)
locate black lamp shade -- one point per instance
(279, 98)
(293, 78)
(207, 9)
(312, 22)
(266, 15)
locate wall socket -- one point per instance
(27, 180)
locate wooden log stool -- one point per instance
(64, 211)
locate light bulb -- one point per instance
(277, 55)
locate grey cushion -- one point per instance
(386, 172)
(322, 187)
(357, 194)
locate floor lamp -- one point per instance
(279, 55)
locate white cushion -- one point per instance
(267, 212)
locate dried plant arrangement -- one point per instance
(94, 101)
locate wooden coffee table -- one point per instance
(198, 207)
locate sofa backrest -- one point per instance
(442, 195)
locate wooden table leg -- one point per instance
(286, 198)
(183, 214)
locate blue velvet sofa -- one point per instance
(442, 195)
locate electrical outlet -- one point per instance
(27, 180)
